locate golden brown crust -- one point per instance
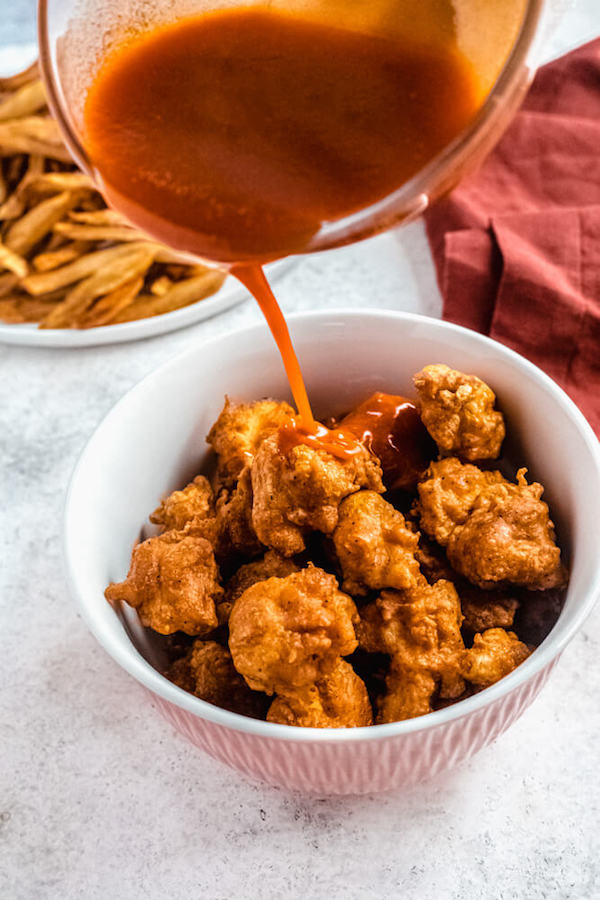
(207, 671)
(300, 490)
(235, 531)
(286, 633)
(272, 565)
(173, 582)
(195, 502)
(374, 545)
(494, 654)
(239, 431)
(508, 537)
(338, 700)
(447, 495)
(408, 694)
(420, 629)
(458, 412)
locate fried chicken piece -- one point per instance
(195, 502)
(494, 654)
(374, 546)
(239, 431)
(420, 629)
(508, 537)
(173, 582)
(207, 671)
(447, 495)
(287, 633)
(486, 609)
(235, 531)
(300, 490)
(458, 412)
(272, 565)
(408, 694)
(338, 700)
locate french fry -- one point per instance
(97, 217)
(182, 294)
(78, 299)
(13, 262)
(14, 82)
(9, 311)
(24, 234)
(52, 259)
(25, 101)
(66, 260)
(8, 282)
(108, 307)
(33, 134)
(81, 268)
(56, 182)
(96, 232)
(160, 286)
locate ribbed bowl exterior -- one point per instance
(356, 767)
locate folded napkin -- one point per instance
(517, 245)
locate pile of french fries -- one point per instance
(66, 260)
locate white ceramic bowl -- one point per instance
(153, 441)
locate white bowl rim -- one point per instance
(132, 661)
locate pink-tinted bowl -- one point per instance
(153, 441)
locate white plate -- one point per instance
(13, 58)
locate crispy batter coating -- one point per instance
(207, 671)
(173, 582)
(300, 490)
(374, 545)
(420, 629)
(239, 431)
(272, 565)
(338, 700)
(447, 495)
(235, 532)
(508, 537)
(287, 633)
(408, 694)
(195, 502)
(494, 654)
(458, 412)
(486, 609)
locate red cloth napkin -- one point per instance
(517, 245)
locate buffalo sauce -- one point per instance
(237, 135)
(391, 427)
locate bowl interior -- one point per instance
(153, 441)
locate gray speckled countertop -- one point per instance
(100, 798)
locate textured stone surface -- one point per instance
(100, 798)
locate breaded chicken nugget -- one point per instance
(235, 531)
(494, 654)
(272, 565)
(508, 537)
(239, 431)
(374, 545)
(408, 694)
(420, 629)
(447, 495)
(287, 633)
(194, 502)
(300, 489)
(458, 412)
(207, 671)
(173, 582)
(338, 700)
